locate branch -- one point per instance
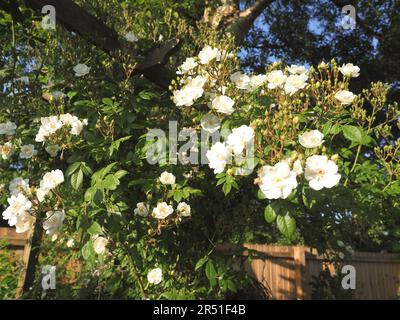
(78, 20)
(244, 22)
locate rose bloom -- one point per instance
(54, 221)
(53, 149)
(295, 82)
(208, 54)
(141, 209)
(210, 123)
(240, 138)
(154, 276)
(18, 185)
(52, 179)
(241, 80)
(100, 244)
(311, 139)
(321, 172)
(257, 81)
(6, 150)
(8, 128)
(183, 209)
(223, 104)
(162, 210)
(345, 97)
(218, 157)
(81, 70)
(276, 79)
(27, 151)
(295, 69)
(189, 64)
(350, 70)
(167, 178)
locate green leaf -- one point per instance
(94, 229)
(286, 225)
(269, 214)
(353, 133)
(110, 182)
(200, 263)
(77, 179)
(211, 273)
(88, 251)
(72, 168)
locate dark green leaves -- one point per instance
(286, 225)
(280, 211)
(353, 133)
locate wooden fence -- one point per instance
(286, 271)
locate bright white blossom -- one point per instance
(210, 123)
(53, 221)
(345, 97)
(295, 82)
(8, 128)
(257, 81)
(81, 70)
(41, 193)
(19, 185)
(277, 181)
(141, 209)
(6, 150)
(154, 276)
(50, 125)
(167, 178)
(192, 91)
(311, 139)
(162, 210)
(183, 209)
(276, 79)
(27, 151)
(240, 138)
(188, 65)
(18, 208)
(241, 80)
(208, 54)
(295, 69)
(321, 172)
(297, 167)
(223, 104)
(218, 157)
(52, 179)
(350, 70)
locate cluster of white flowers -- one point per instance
(295, 81)
(221, 154)
(21, 203)
(280, 180)
(50, 126)
(163, 209)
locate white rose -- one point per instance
(8, 128)
(276, 79)
(100, 244)
(53, 221)
(350, 70)
(162, 210)
(183, 209)
(277, 181)
(77, 127)
(188, 65)
(295, 82)
(345, 97)
(6, 150)
(41, 193)
(52, 179)
(141, 209)
(311, 139)
(240, 138)
(154, 276)
(18, 206)
(81, 70)
(223, 104)
(167, 178)
(210, 123)
(18, 185)
(321, 172)
(297, 167)
(27, 151)
(208, 54)
(24, 223)
(50, 125)
(131, 37)
(295, 69)
(257, 81)
(53, 149)
(218, 157)
(241, 80)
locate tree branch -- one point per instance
(78, 20)
(244, 22)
